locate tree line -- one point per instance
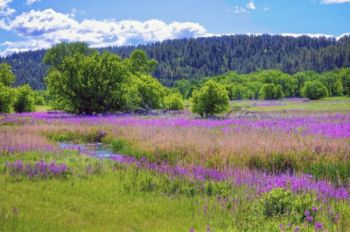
(275, 84)
(197, 57)
(82, 80)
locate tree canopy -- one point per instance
(85, 82)
(271, 84)
(314, 90)
(25, 99)
(6, 75)
(211, 99)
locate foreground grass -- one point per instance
(106, 201)
(111, 197)
(94, 204)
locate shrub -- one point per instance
(281, 202)
(211, 99)
(314, 90)
(271, 91)
(174, 101)
(25, 100)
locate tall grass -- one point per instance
(269, 150)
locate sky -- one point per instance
(37, 24)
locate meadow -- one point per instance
(280, 165)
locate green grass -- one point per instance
(42, 108)
(94, 204)
(113, 200)
(325, 104)
(120, 198)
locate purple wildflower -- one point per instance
(318, 226)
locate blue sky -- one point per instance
(35, 24)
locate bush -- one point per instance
(174, 101)
(271, 91)
(211, 99)
(314, 90)
(25, 100)
(281, 202)
(6, 99)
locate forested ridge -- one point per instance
(200, 57)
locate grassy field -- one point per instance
(42, 108)
(180, 173)
(338, 104)
(118, 198)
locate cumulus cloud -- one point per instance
(5, 10)
(42, 29)
(30, 2)
(334, 1)
(251, 5)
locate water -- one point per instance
(97, 150)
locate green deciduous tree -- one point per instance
(6, 99)
(333, 83)
(271, 91)
(314, 90)
(6, 75)
(55, 55)
(6, 92)
(344, 75)
(211, 99)
(39, 96)
(238, 92)
(140, 64)
(185, 87)
(174, 101)
(25, 99)
(151, 92)
(88, 84)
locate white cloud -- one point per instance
(334, 1)
(30, 2)
(266, 9)
(42, 29)
(5, 10)
(251, 5)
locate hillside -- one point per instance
(195, 58)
